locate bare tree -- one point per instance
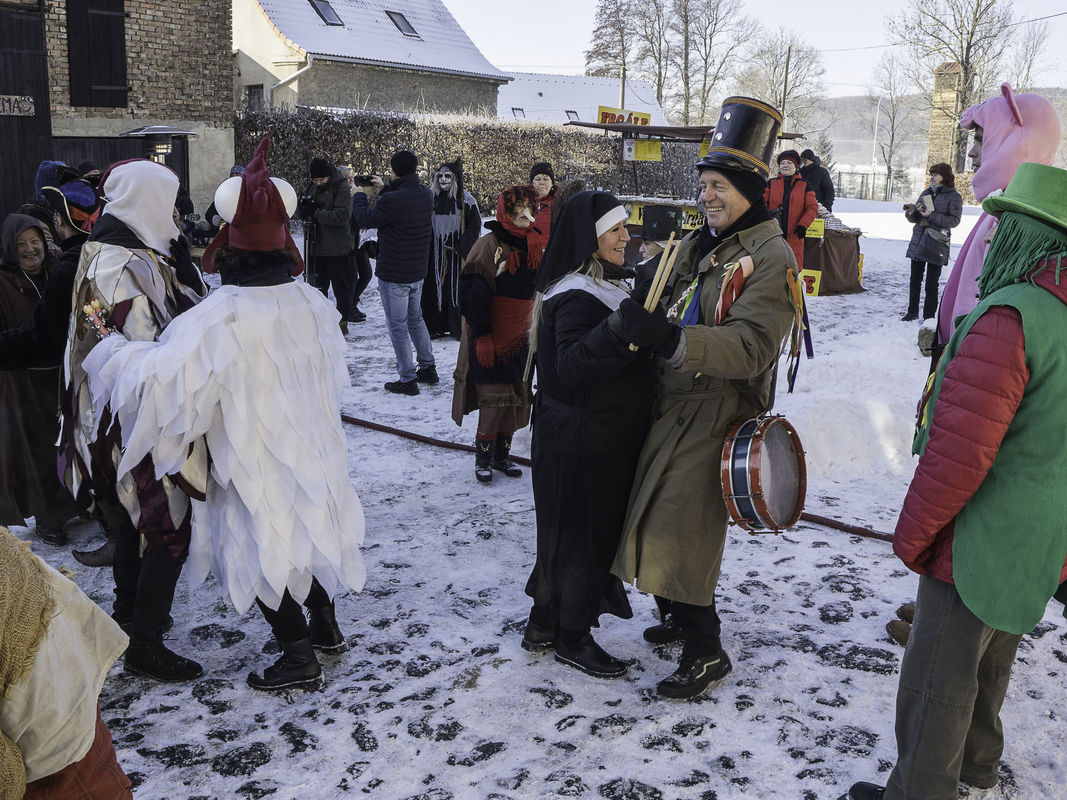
(682, 14)
(1029, 55)
(764, 76)
(653, 44)
(611, 47)
(891, 103)
(972, 33)
(719, 31)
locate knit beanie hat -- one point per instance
(790, 155)
(320, 168)
(403, 162)
(807, 155)
(542, 168)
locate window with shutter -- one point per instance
(96, 43)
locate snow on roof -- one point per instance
(373, 32)
(548, 98)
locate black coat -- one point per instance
(402, 217)
(591, 409)
(947, 213)
(333, 203)
(819, 181)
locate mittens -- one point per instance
(484, 351)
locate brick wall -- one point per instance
(334, 84)
(178, 62)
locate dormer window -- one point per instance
(518, 113)
(402, 24)
(572, 116)
(325, 10)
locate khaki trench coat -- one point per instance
(675, 527)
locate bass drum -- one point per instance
(764, 477)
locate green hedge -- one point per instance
(496, 153)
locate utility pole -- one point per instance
(785, 84)
(622, 87)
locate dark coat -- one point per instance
(819, 181)
(947, 213)
(592, 405)
(402, 217)
(333, 201)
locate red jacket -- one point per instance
(802, 210)
(981, 392)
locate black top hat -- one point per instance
(658, 222)
(744, 137)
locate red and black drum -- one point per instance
(764, 477)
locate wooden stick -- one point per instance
(663, 272)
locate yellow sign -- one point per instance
(816, 229)
(605, 114)
(810, 279)
(692, 217)
(648, 150)
(704, 145)
(861, 268)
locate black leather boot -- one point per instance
(695, 674)
(502, 457)
(482, 460)
(589, 657)
(104, 555)
(325, 635)
(297, 668)
(154, 659)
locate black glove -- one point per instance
(800, 231)
(182, 261)
(630, 323)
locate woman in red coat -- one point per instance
(789, 197)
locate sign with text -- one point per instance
(816, 229)
(641, 150)
(692, 217)
(605, 115)
(810, 280)
(17, 105)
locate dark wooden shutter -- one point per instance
(96, 42)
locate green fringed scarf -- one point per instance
(1019, 246)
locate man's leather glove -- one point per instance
(484, 350)
(182, 261)
(631, 324)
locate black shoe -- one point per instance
(427, 375)
(898, 631)
(57, 537)
(482, 458)
(911, 316)
(590, 658)
(102, 556)
(667, 632)
(695, 674)
(502, 458)
(539, 638)
(297, 668)
(865, 791)
(155, 660)
(125, 622)
(907, 613)
(325, 635)
(355, 315)
(403, 387)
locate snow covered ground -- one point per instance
(435, 699)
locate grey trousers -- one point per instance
(953, 680)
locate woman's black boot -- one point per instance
(325, 635)
(502, 457)
(482, 458)
(296, 669)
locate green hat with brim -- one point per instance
(1036, 190)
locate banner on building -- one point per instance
(607, 115)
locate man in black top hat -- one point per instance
(720, 372)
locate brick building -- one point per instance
(945, 131)
(392, 55)
(100, 68)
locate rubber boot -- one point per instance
(502, 457)
(325, 635)
(483, 470)
(296, 668)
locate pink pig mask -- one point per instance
(1015, 128)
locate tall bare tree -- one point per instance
(890, 111)
(682, 15)
(653, 44)
(764, 76)
(1029, 55)
(611, 47)
(718, 33)
(975, 34)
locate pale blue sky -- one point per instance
(553, 35)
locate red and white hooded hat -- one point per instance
(257, 208)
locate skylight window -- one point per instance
(518, 113)
(402, 23)
(325, 10)
(572, 116)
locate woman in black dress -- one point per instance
(590, 412)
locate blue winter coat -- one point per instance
(402, 217)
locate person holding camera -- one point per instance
(937, 210)
(328, 205)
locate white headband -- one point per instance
(612, 218)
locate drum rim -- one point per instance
(763, 423)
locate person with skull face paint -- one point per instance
(456, 227)
(496, 289)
